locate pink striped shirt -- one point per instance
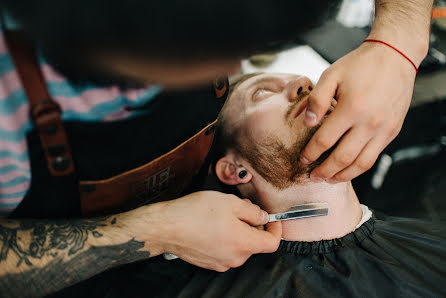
(86, 103)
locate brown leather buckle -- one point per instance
(43, 108)
(44, 112)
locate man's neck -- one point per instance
(343, 216)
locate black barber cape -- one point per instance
(384, 257)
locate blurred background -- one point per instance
(409, 177)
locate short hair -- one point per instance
(227, 135)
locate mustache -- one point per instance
(296, 102)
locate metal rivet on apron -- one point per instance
(210, 130)
(51, 129)
(56, 150)
(61, 163)
(220, 82)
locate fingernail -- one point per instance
(310, 118)
(265, 216)
(304, 160)
(317, 179)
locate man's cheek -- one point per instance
(262, 124)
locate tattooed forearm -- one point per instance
(45, 238)
(58, 274)
(49, 255)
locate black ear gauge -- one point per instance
(242, 174)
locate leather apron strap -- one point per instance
(164, 178)
(45, 112)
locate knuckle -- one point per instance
(327, 73)
(237, 263)
(221, 268)
(321, 142)
(374, 123)
(395, 130)
(320, 171)
(259, 214)
(343, 160)
(365, 164)
(343, 177)
(258, 210)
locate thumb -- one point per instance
(252, 214)
(275, 228)
(319, 100)
(271, 237)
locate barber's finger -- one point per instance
(319, 100)
(345, 153)
(260, 228)
(269, 240)
(251, 214)
(363, 162)
(275, 228)
(326, 136)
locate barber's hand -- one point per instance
(373, 86)
(217, 231)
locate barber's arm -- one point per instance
(208, 229)
(373, 85)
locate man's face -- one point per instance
(274, 106)
(272, 133)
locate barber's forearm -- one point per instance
(38, 257)
(405, 24)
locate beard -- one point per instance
(278, 164)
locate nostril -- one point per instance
(310, 88)
(299, 90)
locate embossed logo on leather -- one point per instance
(152, 187)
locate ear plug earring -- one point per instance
(242, 174)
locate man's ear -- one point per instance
(229, 173)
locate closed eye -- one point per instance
(262, 94)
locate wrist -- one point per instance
(144, 224)
(394, 49)
(405, 25)
(414, 47)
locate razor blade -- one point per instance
(301, 211)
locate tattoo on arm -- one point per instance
(46, 238)
(51, 255)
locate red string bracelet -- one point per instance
(392, 47)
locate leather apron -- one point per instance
(89, 169)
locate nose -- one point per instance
(299, 86)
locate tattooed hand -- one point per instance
(38, 257)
